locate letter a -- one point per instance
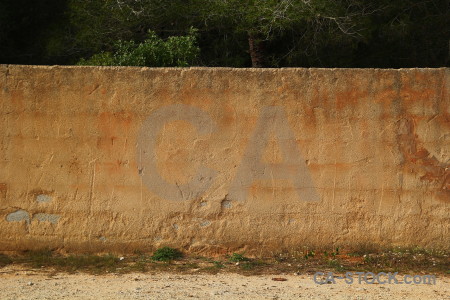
(293, 168)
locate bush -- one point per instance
(236, 257)
(166, 254)
(176, 51)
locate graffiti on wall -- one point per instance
(271, 122)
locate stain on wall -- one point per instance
(3, 190)
(420, 161)
(218, 160)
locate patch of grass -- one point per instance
(38, 258)
(71, 263)
(407, 260)
(94, 263)
(336, 265)
(4, 260)
(166, 254)
(335, 252)
(237, 257)
(309, 254)
(138, 266)
(187, 267)
(253, 267)
(247, 266)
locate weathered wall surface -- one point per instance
(214, 160)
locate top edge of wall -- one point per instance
(206, 68)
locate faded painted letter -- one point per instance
(273, 119)
(146, 157)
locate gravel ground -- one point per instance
(34, 285)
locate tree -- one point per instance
(26, 27)
(261, 21)
(234, 33)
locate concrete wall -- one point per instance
(216, 160)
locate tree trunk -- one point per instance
(255, 48)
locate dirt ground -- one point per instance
(32, 284)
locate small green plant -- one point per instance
(336, 265)
(309, 254)
(166, 254)
(88, 262)
(236, 257)
(94, 263)
(218, 264)
(39, 258)
(335, 252)
(368, 258)
(247, 266)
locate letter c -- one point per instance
(146, 156)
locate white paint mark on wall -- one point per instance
(42, 217)
(43, 198)
(18, 216)
(205, 223)
(226, 204)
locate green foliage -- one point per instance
(309, 254)
(175, 51)
(336, 264)
(4, 260)
(335, 252)
(236, 257)
(218, 264)
(285, 33)
(166, 254)
(91, 263)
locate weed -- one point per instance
(91, 263)
(4, 260)
(187, 267)
(390, 260)
(368, 258)
(248, 266)
(139, 266)
(166, 254)
(335, 264)
(218, 264)
(39, 258)
(335, 252)
(236, 257)
(94, 263)
(309, 254)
